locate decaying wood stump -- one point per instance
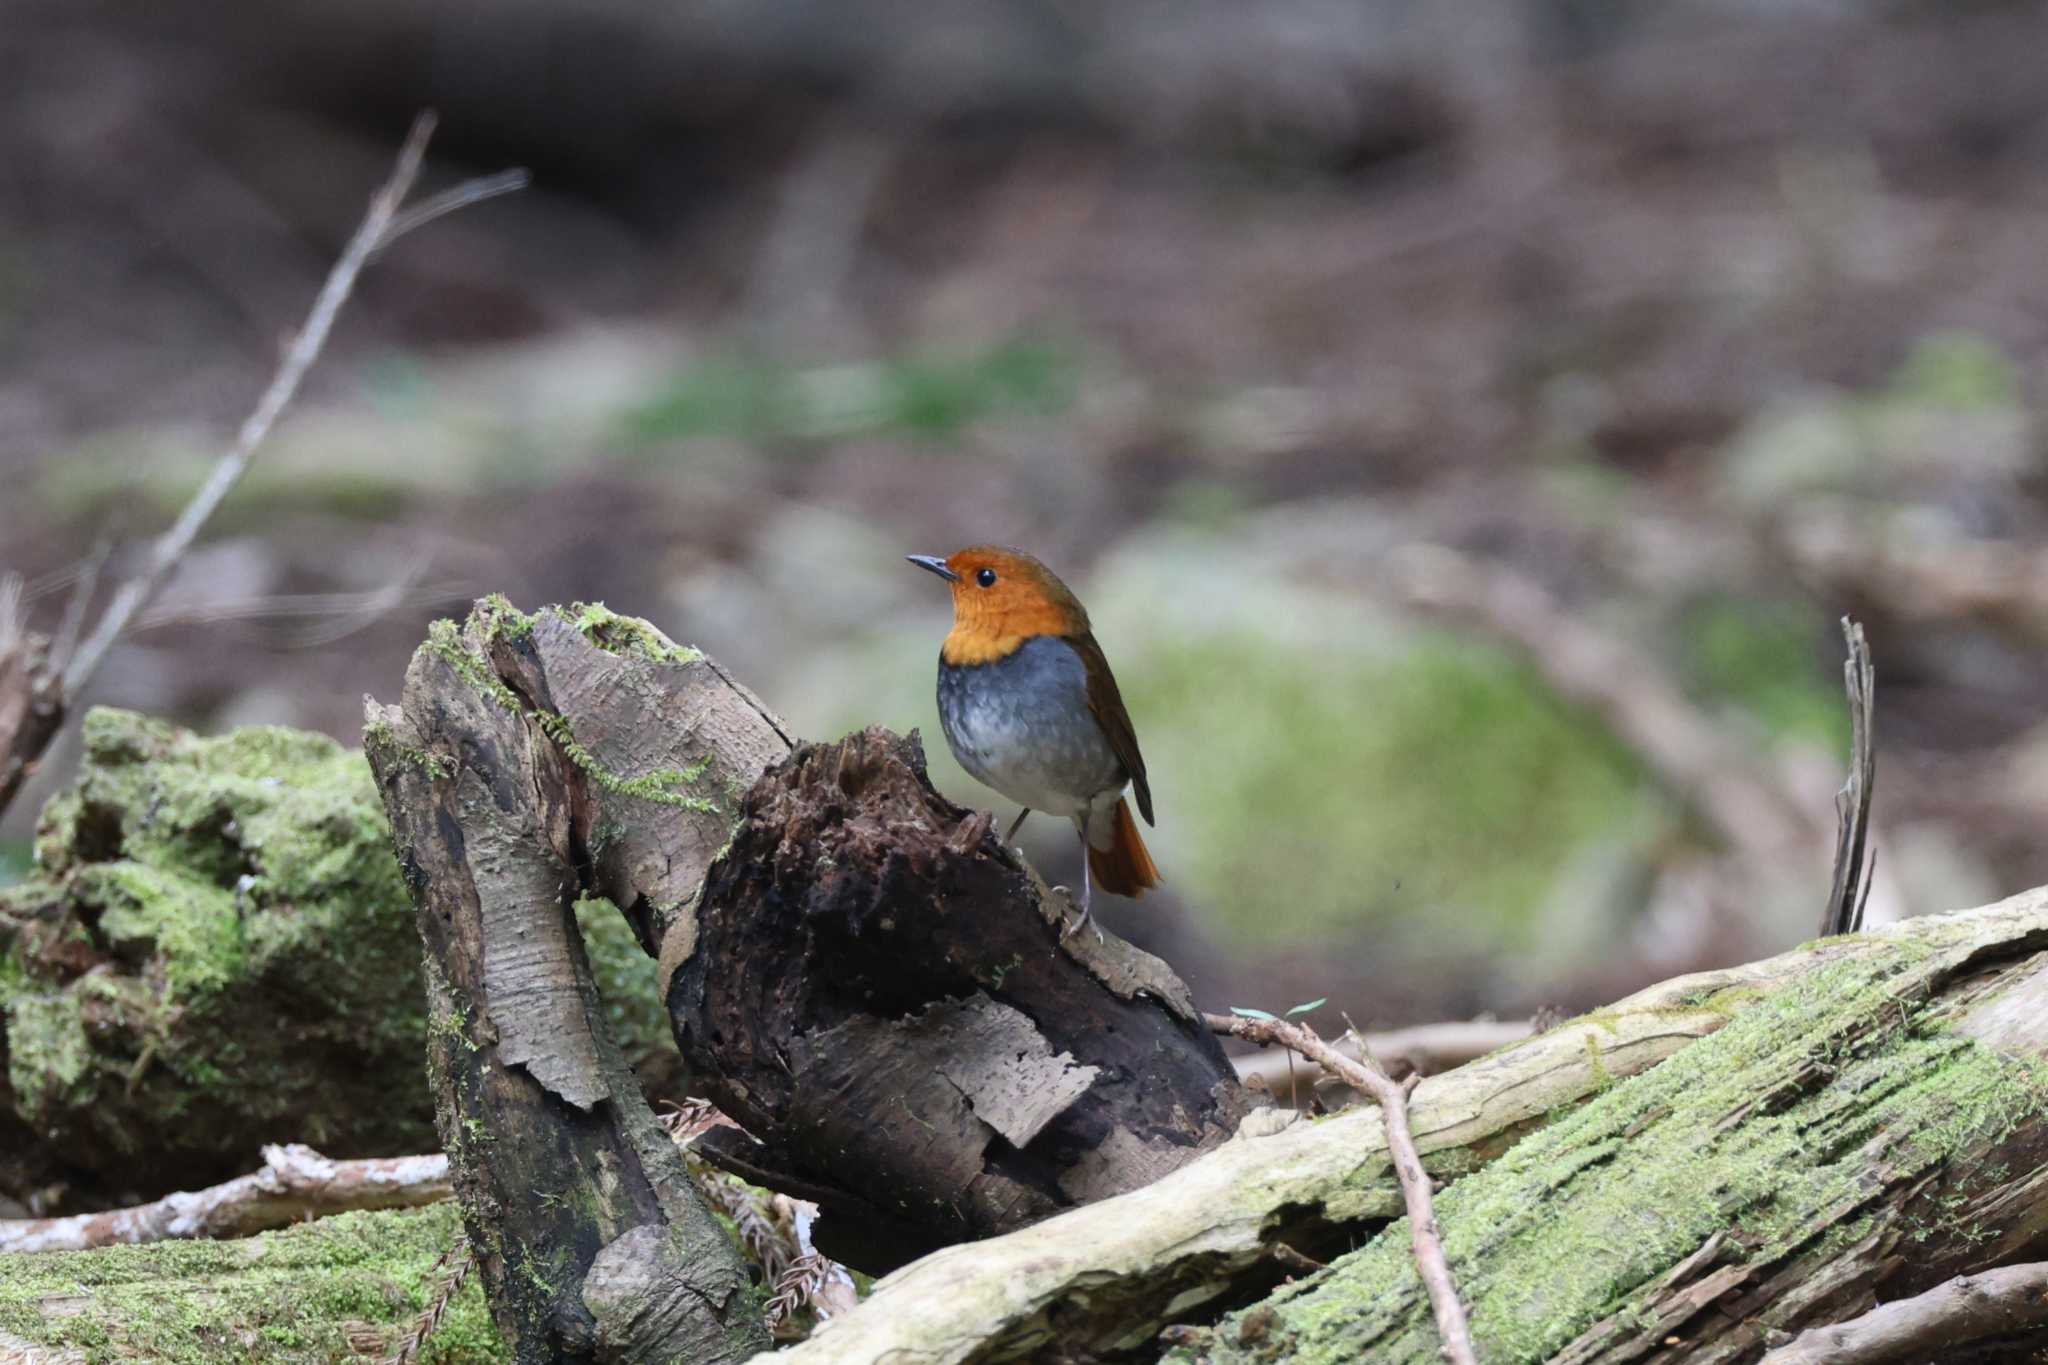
(866, 980)
(505, 811)
(878, 992)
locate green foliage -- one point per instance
(1762, 657)
(1958, 370)
(928, 396)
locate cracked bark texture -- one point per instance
(532, 761)
(1689, 1175)
(877, 991)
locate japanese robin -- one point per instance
(1031, 709)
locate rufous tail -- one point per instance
(1124, 868)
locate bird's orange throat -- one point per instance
(968, 647)
(990, 624)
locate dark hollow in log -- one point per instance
(877, 990)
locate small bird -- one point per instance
(1031, 709)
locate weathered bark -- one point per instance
(1712, 1161)
(879, 993)
(344, 1288)
(505, 810)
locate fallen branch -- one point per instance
(1880, 1080)
(295, 1184)
(1365, 1075)
(1967, 1308)
(1424, 1049)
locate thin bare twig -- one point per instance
(295, 1183)
(1424, 1048)
(1366, 1075)
(37, 693)
(448, 201)
(384, 222)
(1855, 855)
(1992, 1303)
(75, 606)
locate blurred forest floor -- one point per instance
(1712, 324)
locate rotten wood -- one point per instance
(295, 1184)
(878, 993)
(588, 1235)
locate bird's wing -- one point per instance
(1108, 705)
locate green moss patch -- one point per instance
(1778, 1128)
(1438, 791)
(343, 1288)
(218, 951)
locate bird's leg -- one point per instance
(1016, 825)
(1087, 897)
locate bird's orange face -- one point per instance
(1001, 598)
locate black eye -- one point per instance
(986, 577)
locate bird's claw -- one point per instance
(1073, 926)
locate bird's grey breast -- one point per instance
(1022, 725)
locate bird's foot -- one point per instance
(1086, 917)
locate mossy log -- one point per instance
(879, 992)
(1690, 1175)
(215, 952)
(532, 763)
(211, 955)
(344, 1288)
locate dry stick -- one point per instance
(296, 1183)
(381, 225)
(1366, 1076)
(1850, 889)
(1965, 1309)
(1424, 1048)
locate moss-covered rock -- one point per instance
(344, 1288)
(217, 951)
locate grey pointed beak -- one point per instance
(936, 565)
